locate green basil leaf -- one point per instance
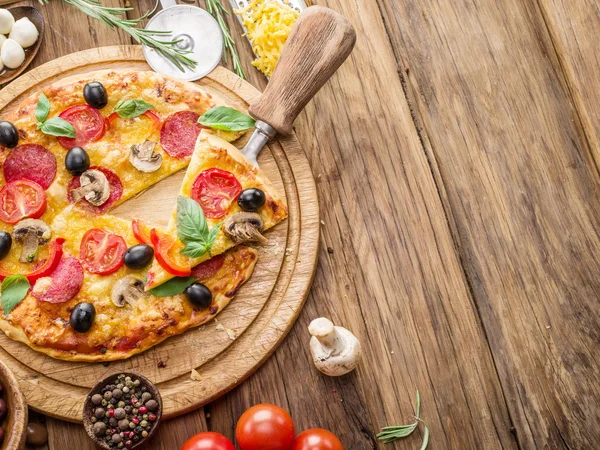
(226, 118)
(129, 109)
(42, 109)
(58, 127)
(212, 235)
(172, 287)
(14, 289)
(195, 249)
(191, 223)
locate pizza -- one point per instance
(217, 176)
(80, 284)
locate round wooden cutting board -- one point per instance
(227, 350)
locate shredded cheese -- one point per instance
(268, 24)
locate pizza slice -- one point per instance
(237, 203)
(119, 319)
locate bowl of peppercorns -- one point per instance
(122, 411)
(13, 411)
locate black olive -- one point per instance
(82, 317)
(95, 95)
(77, 161)
(5, 244)
(198, 295)
(251, 199)
(138, 256)
(9, 136)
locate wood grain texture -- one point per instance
(304, 67)
(523, 190)
(262, 311)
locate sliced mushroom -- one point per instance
(128, 289)
(94, 187)
(31, 233)
(244, 227)
(143, 158)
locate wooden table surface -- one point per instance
(456, 157)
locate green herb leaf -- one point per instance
(14, 289)
(195, 249)
(226, 118)
(42, 109)
(129, 109)
(390, 434)
(172, 287)
(425, 437)
(212, 235)
(191, 222)
(57, 127)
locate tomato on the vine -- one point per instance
(208, 441)
(317, 439)
(265, 427)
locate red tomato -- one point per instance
(88, 123)
(46, 267)
(317, 439)
(141, 231)
(20, 199)
(265, 427)
(208, 441)
(216, 190)
(101, 252)
(162, 247)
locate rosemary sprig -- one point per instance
(215, 8)
(390, 434)
(112, 18)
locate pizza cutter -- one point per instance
(320, 41)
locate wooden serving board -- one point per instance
(256, 320)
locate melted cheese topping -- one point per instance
(268, 24)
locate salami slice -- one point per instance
(116, 191)
(32, 162)
(179, 133)
(208, 268)
(61, 285)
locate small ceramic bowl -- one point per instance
(37, 19)
(89, 408)
(15, 423)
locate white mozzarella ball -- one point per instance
(12, 54)
(6, 21)
(24, 32)
(2, 39)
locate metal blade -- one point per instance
(260, 137)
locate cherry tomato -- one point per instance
(151, 115)
(216, 190)
(101, 252)
(166, 257)
(265, 427)
(317, 439)
(208, 441)
(47, 266)
(20, 199)
(88, 123)
(141, 231)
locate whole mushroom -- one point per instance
(335, 350)
(31, 233)
(94, 187)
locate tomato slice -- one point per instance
(216, 190)
(101, 252)
(154, 118)
(163, 245)
(20, 199)
(88, 123)
(47, 267)
(141, 231)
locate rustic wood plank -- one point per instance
(390, 275)
(491, 96)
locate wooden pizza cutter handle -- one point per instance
(318, 44)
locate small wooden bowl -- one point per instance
(37, 19)
(15, 424)
(89, 407)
